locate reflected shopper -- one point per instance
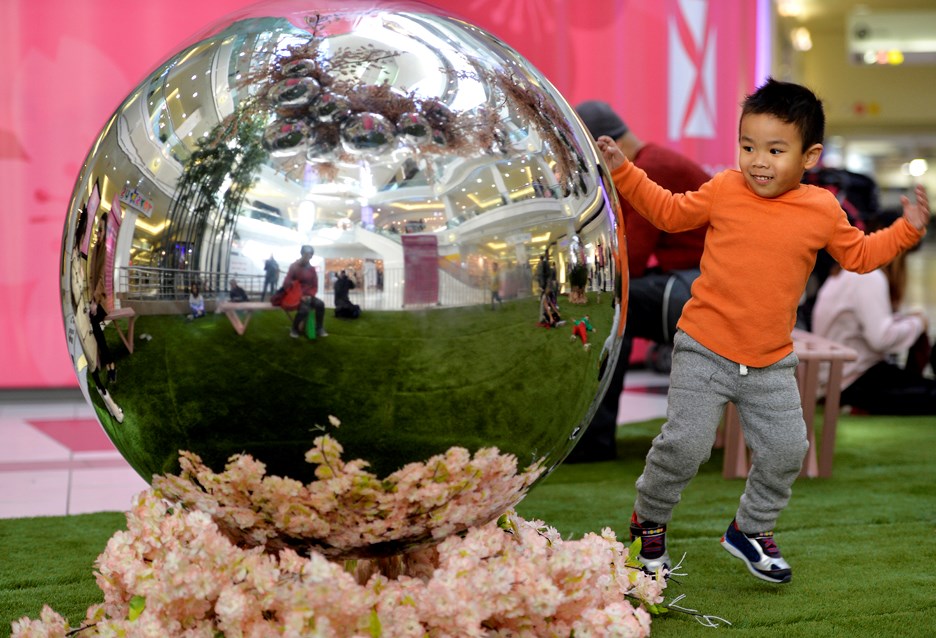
(271, 276)
(303, 272)
(196, 302)
(235, 292)
(344, 307)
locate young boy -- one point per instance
(734, 337)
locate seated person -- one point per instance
(549, 312)
(196, 303)
(236, 292)
(862, 312)
(303, 272)
(344, 308)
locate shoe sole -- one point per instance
(651, 566)
(737, 553)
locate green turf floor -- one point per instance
(862, 544)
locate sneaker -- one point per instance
(652, 544)
(293, 334)
(759, 552)
(321, 332)
(112, 407)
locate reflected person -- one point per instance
(271, 276)
(196, 302)
(495, 284)
(236, 293)
(344, 307)
(98, 314)
(303, 271)
(98, 309)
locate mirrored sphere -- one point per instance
(437, 202)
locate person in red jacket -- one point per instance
(303, 271)
(661, 267)
(734, 341)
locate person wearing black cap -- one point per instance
(661, 266)
(303, 271)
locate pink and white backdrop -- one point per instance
(675, 69)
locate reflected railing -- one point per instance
(378, 291)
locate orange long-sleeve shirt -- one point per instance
(758, 255)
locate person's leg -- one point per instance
(302, 314)
(919, 356)
(319, 316)
(645, 307)
(772, 420)
(888, 389)
(700, 386)
(105, 358)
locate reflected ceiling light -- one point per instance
(540, 238)
(487, 203)
(430, 205)
(152, 229)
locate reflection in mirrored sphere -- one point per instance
(459, 225)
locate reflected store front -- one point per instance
(415, 149)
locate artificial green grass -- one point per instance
(49, 560)
(862, 544)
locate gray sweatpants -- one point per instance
(768, 401)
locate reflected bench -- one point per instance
(240, 312)
(817, 355)
(123, 313)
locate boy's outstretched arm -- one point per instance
(613, 156)
(917, 212)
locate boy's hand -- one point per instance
(611, 152)
(918, 212)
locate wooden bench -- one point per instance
(813, 351)
(235, 309)
(123, 313)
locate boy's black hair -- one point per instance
(790, 103)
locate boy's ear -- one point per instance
(811, 156)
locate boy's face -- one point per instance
(770, 154)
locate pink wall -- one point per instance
(675, 69)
